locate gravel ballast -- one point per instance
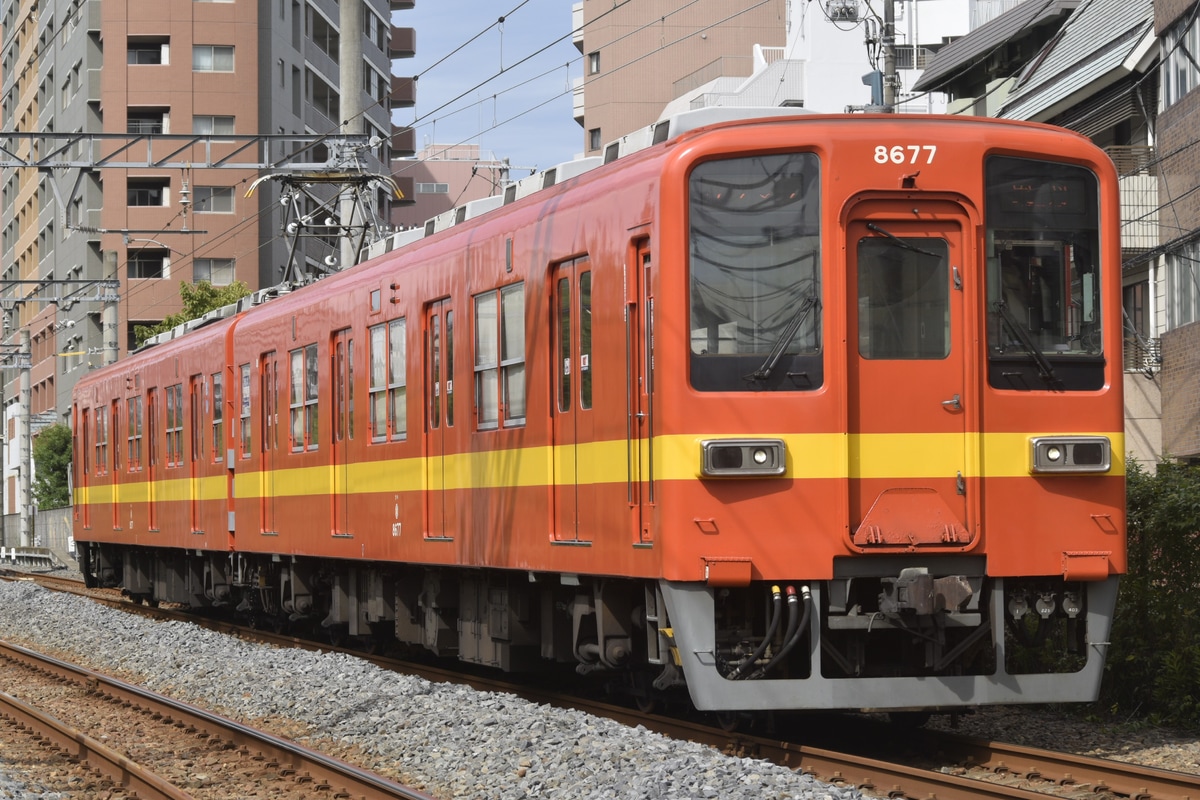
(450, 741)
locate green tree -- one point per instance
(198, 300)
(52, 459)
(1153, 668)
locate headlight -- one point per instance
(723, 458)
(1071, 454)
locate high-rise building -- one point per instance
(146, 68)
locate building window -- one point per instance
(594, 139)
(324, 98)
(500, 356)
(148, 191)
(593, 62)
(210, 124)
(147, 120)
(213, 199)
(149, 263)
(148, 50)
(323, 34)
(212, 58)
(389, 391)
(1181, 60)
(1183, 285)
(302, 399)
(217, 271)
(433, 188)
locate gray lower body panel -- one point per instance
(691, 611)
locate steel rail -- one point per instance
(320, 768)
(1128, 780)
(103, 759)
(1132, 780)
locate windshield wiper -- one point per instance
(898, 242)
(1044, 367)
(785, 338)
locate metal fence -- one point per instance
(51, 529)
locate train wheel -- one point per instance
(644, 696)
(729, 721)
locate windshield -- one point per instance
(754, 273)
(1043, 276)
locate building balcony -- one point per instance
(403, 93)
(577, 99)
(403, 142)
(403, 43)
(401, 5)
(1139, 195)
(577, 25)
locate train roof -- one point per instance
(658, 132)
(664, 130)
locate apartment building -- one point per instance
(1177, 24)
(152, 67)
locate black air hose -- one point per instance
(777, 606)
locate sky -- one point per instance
(504, 86)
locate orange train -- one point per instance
(794, 412)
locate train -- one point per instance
(768, 411)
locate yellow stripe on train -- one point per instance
(809, 456)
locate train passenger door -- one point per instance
(196, 448)
(910, 402)
(268, 369)
(639, 341)
(116, 464)
(440, 513)
(85, 475)
(152, 431)
(343, 428)
(575, 473)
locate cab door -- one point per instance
(911, 411)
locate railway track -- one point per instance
(952, 767)
(156, 747)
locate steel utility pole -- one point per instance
(350, 73)
(889, 56)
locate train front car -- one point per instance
(887, 359)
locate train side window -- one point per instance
(116, 435)
(175, 425)
(388, 381)
(101, 442)
(450, 367)
(244, 406)
(218, 418)
(198, 392)
(564, 343)
(585, 340)
(133, 457)
(500, 357)
(303, 398)
(84, 440)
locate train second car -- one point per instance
(791, 412)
